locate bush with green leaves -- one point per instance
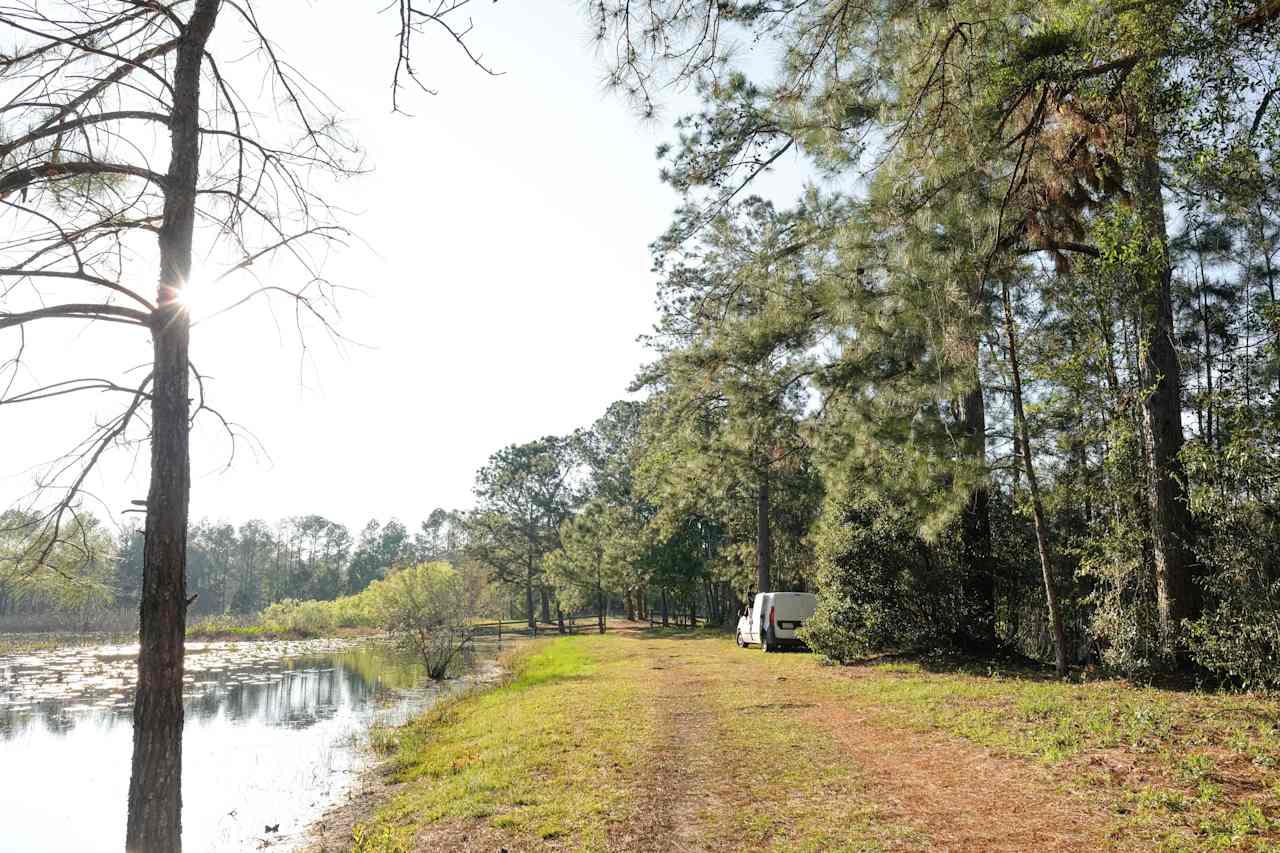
(428, 608)
(300, 617)
(313, 618)
(1238, 636)
(882, 587)
(1239, 639)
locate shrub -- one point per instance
(1240, 638)
(881, 586)
(1238, 551)
(427, 608)
(300, 617)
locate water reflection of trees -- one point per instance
(292, 693)
(293, 697)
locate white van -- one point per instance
(772, 619)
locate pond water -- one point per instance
(275, 732)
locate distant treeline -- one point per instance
(230, 569)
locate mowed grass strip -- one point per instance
(565, 755)
(792, 786)
(561, 754)
(547, 755)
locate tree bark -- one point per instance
(1269, 272)
(154, 822)
(528, 597)
(1033, 485)
(1177, 597)
(764, 537)
(602, 607)
(975, 529)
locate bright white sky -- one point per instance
(505, 279)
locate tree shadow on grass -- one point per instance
(1010, 665)
(1014, 666)
(673, 632)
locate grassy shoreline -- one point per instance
(40, 641)
(511, 744)
(265, 632)
(591, 736)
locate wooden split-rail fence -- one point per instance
(582, 625)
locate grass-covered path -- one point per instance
(647, 741)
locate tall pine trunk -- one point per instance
(1033, 485)
(528, 597)
(1176, 595)
(975, 529)
(154, 822)
(764, 536)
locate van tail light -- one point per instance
(770, 617)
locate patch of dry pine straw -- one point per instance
(959, 797)
(962, 797)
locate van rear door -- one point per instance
(791, 610)
(757, 617)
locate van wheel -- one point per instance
(737, 638)
(764, 645)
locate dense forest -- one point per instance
(1019, 388)
(1005, 375)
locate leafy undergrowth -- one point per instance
(26, 645)
(14, 644)
(563, 755)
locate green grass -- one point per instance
(562, 755)
(1204, 765)
(545, 755)
(1053, 721)
(815, 799)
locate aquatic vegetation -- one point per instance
(275, 732)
